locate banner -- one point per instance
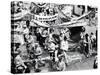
(45, 18)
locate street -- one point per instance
(83, 65)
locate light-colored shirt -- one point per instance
(64, 45)
(52, 46)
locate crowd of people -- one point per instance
(88, 43)
(33, 46)
(33, 41)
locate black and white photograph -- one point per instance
(53, 37)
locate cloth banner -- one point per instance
(45, 18)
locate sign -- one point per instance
(45, 18)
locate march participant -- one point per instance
(20, 66)
(25, 29)
(38, 56)
(44, 35)
(64, 44)
(61, 66)
(52, 49)
(51, 35)
(64, 47)
(38, 51)
(31, 39)
(93, 41)
(86, 44)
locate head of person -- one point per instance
(51, 30)
(27, 23)
(65, 38)
(86, 35)
(30, 34)
(51, 11)
(91, 33)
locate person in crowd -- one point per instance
(44, 35)
(82, 45)
(56, 38)
(51, 12)
(25, 29)
(38, 35)
(25, 33)
(61, 36)
(82, 35)
(52, 49)
(20, 66)
(93, 41)
(45, 12)
(34, 40)
(30, 39)
(67, 34)
(96, 38)
(26, 38)
(30, 43)
(64, 44)
(61, 66)
(51, 32)
(38, 55)
(23, 51)
(86, 44)
(38, 50)
(28, 24)
(64, 47)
